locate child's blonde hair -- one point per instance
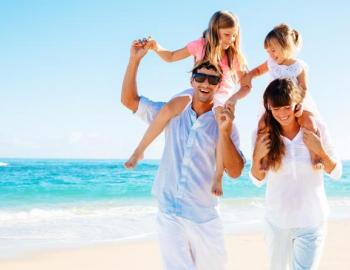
(212, 50)
(288, 38)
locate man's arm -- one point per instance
(232, 159)
(129, 94)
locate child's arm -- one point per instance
(302, 81)
(246, 80)
(258, 71)
(167, 55)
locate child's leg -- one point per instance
(216, 188)
(307, 121)
(262, 129)
(170, 110)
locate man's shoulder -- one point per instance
(187, 92)
(235, 130)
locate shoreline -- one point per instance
(145, 254)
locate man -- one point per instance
(189, 227)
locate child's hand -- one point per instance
(231, 102)
(299, 110)
(246, 80)
(152, 44)
(148, 43)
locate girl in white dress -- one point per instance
(281, 43)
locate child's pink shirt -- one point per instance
(227, 86)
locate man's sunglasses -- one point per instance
(201, 77)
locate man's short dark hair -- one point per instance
(207, 65)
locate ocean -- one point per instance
(49, 204)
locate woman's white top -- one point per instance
(295, 194)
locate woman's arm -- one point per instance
(314, 144)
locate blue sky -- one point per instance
(62, 65)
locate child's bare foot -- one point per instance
(216, 188)
(133, 160)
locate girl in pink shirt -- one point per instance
(220, 44)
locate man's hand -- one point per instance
(225, 117)
(137, 51)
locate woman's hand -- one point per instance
(262, 147)
(313, 142)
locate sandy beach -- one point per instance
(246, 251)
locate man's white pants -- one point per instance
(186, 245)
(294, 249)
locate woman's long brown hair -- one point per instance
(280, 92)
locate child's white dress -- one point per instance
(292, 72)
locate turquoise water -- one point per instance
(65, 203)
(25, 183)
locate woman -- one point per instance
(296, 204)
